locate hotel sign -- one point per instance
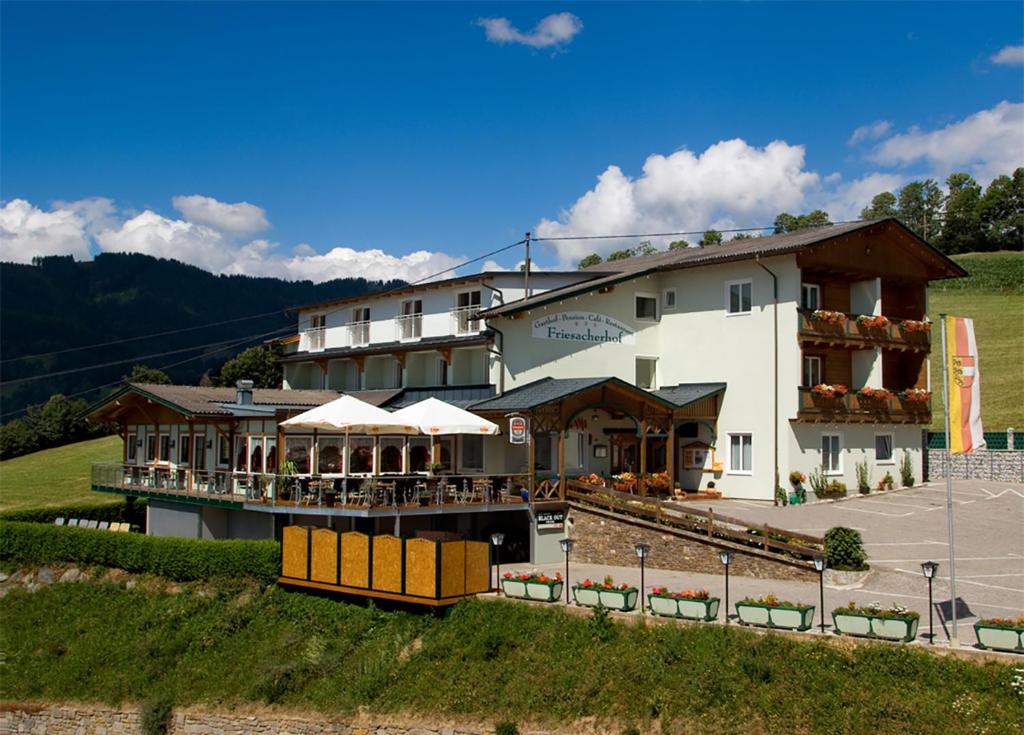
(582, 326)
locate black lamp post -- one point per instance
(642, 550)
(929, 568)
(819, 566)
(567, 544)
(497, 539)
(725, 556)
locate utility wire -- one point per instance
(630, 236)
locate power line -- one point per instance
(630, 236)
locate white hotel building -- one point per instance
(698, 363)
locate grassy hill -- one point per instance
(993, 296)
(58, 476)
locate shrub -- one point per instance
(844, 550)
(907, 470)
(506, 727)
(863, 477)
(833, 489)
(125, 511)
(817, 481)
(179, 559)
(886, 482)
(155, 715)
(780, 496)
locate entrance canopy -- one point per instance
(435, 417)
(350, 415)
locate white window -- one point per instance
(741, 461)
(360, 455)
(812, 371)
(317, 332)
(442, 371)
(467, 307)
(392, 455)
(832, 454)
(411, 320)
(737, 297)
(446, 447)
(544, 452)
(359, 327)
(646, 307)
(132, 445)
(330, 455)
(419, 454)
(184, 449)
(669, 300)
(646, 372)
(472, 453)
(810, 296)
(883, 448)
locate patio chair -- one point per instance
(73, 523)
(119, 527)
(90, 524)
(58, 521)
(103, 526)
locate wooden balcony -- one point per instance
(852, 408)
(849, 332)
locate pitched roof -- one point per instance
(194, 400)
(461, 396)
(686, 393)
(386, 348)
(551, 390)
(618, 271)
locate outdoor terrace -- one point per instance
(834, 328)
(890, 408)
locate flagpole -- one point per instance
(954, 638)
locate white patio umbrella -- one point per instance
(351, 416)
(435, 417)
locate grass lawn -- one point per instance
(994, 297)
(232, 645)
(57, 476)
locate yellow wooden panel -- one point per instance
(453, 568)
(478, 567)
(355, 559)
(294, 551)
(421, 567)
(324, 562)
(387, 563)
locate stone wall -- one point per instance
(84, 720)
(603, 540)
(992, 466)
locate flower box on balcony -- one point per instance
(896, 624)
(538, 587)
(691, 604)
(1001, 634)
(769, 612)
(590, 594)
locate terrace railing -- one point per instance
(896, 334)
(313, 340)
(853, 408)
(409, 327)
(466, 320)
(358, 333)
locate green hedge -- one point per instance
(182, 560)
(133, 512)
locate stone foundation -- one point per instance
(603, 540)
(992, 466)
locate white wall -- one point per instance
(858, 444)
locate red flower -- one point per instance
(507, 575)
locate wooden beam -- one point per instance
(561, 465)
(670, 457)
(641, 483)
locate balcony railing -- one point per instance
(359, 333)
(313, 340)
(409, 326)
(383, 492)
(466, 320)
(828, 327)
(854, 408)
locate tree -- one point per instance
(592, 259)
(645, 248)
(143, 374)
(711, 237)
(678, 245)
(742, 236)
(787, 222)
(920, 208)
(621, 254)
(258, 364)
(1001, 213)
(961, 228)
(882, 205)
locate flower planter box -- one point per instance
(683, 607)
(541, 591)
(1000, 639)
(621, 600)
(772, 616)
(873, 626)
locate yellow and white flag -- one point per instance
(965, 433)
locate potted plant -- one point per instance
(688, 604)
(828, 320)
(436, 468)
(863, 471)
(871, 323)
(797, 480)
(886, 483)
(771, 612)
(873, 398)
(532, 586)
(607, 594)
(626, 482)
(871, 621)
(1001, 634)
(915, 399)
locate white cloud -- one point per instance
(1009, 55)
(730, 183)
(161, 237)
(874, 131)
(846, 200)
(236, 219)
(553, 30)
(96, 213)
(988, 143)
(27, 232)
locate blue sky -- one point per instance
(412, 129)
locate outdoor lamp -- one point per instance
(497, 539)
(819, 566)
(566, 544)
(725, 556)
(642, 550)
(929, 568)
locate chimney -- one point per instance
(244, 393)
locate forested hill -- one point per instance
(59, 303)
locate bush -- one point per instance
(844, 550)
(182, 560)
(126, 511)
(155, 715)
(506, 728)
(833, 489)
(907, 470)
(863, 477)
(817, 481)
